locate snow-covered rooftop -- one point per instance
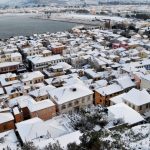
(92, 73)
(41, 91)
(30, 76)
(137, 97)
(8, 64)
(10, 140)
(122, 111)
(146, 77)
(40, 105)
(21, 100)
(125, 82)
(68, 93)
(6, 117)
(110, 89)
(38, 60)
(53, 128)
(117, 99)
(1, 91)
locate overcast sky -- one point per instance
(10, 1)
(5, 1)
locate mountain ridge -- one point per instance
(47, 2)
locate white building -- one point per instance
(71, 98)
(138, 100)
(32, 78)
(39, 63)
(52, 130)
(124, 112)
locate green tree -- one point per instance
(73, 146)
(55, 146)
(29, 146)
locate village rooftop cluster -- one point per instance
(44, 77)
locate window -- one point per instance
(76, 102)
(140, 107)
(63, 107)
(146, 105)
(70, 105)
(89, 98)
(83, 100)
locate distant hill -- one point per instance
(29, 2)
(70, 2)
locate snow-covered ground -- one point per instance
(138, 137)
(62, 140)
(8, 139)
